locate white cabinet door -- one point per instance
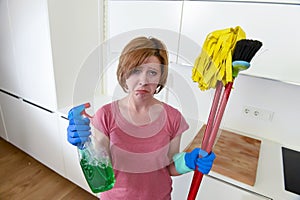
(12, 113)
(268, 22)
(42, 134)
(129, 19)
(211, 188)
(33, 130)
(29, 66)
(3, 133)
(73, 170)
(9, 75)
(75, 28)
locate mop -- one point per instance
(224, 54)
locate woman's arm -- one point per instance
(100, 140)
(174, 149)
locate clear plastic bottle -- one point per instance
(96, 165)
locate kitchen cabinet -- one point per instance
(76, 32)
(128, 19)
(212, 188)
(8, 70)
(72, 167)
(42, 135)
(216, 189)
(41, 130)
(12, 114)
(268, 22)
(3, 133)
(34, 130)
(27, 61)
(44, 44)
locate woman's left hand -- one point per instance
(200, 158)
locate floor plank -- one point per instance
(22, 177)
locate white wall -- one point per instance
(281, 98)
(278, 97)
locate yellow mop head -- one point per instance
(215, 60)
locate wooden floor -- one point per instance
(23, 178)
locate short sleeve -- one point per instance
(178, 122)
(102, 120)
(180, 125)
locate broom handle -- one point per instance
(212, 114)
(219, 116)
(197, 178)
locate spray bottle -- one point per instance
(95, 163)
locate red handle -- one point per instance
(210, 137)
(213, 111)
(197, 178)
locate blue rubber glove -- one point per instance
(204, 163)
(79, 126)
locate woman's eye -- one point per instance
(135, 71)
(153, 73)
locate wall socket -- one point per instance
(258, 113)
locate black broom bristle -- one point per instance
(245, 49)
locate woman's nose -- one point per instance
(143, 79)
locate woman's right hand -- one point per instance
(79, 129)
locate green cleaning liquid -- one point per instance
(99, 174)
(94, 161)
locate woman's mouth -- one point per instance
(142, 91)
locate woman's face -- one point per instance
(144, 79)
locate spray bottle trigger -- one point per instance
(86, 105)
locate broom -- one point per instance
(243, 53)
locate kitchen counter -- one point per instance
(269, 174)
(236, 155)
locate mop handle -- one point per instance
(212, 114)
(197, 178)
(219, 116)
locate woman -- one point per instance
(142, 133)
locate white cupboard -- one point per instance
(43, 44)
(75, 31)
(272, 23)
(9, 78)
(3, 132)
(129, 19)
(27, 63)
(212, 188)
(72, 167)
(33, 130)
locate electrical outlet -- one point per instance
(258, 113)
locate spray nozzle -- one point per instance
(79, 111)
(86, 105)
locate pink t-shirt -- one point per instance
(139, 153)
